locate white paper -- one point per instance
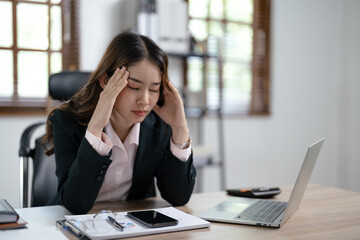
(132, 228)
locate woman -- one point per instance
(125, 127)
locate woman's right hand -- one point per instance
(107, 98)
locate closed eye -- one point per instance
(133, 88)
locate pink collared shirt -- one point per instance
(118, 178)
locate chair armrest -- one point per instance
(25, 150)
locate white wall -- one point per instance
(100, 22)
(314, 84)
(315, 69)
(349, 128)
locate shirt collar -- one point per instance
(132, 138)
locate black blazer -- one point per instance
(81, 170)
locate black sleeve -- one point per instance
(176, 179)
(79, 168)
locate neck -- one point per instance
(121, 128)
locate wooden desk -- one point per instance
(324, 213)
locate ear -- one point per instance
(103, 79)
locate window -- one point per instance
(38, 38)
(232, 39)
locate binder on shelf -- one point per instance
(173, 30)
(165, 22)
(147, 20)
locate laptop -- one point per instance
(265, 212)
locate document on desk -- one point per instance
(131, 228)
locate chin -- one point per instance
(140, 119)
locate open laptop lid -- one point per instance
(303, 179)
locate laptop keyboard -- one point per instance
(264, 211)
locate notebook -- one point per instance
(263, 212)
(7, 212)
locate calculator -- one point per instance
(262, 192)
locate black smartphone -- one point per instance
(263, 192)
(152, 219)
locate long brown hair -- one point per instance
(125, 49)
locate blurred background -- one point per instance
(261, 79)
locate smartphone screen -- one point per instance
(153, 219)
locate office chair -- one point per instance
(43, 187)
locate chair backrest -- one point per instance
(44, 182)
(62, 86)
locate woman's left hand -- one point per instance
(173, 113)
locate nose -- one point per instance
(143, 98)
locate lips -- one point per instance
(139, 113)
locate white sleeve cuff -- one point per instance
(102, 146)
(182, 154)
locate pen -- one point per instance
(116, 223)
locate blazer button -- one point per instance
(99, 178)
(102, 172)
(104, 166)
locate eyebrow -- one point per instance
(139, 81)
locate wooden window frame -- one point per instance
(70, 56)
(260, 63)
(260, 96)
